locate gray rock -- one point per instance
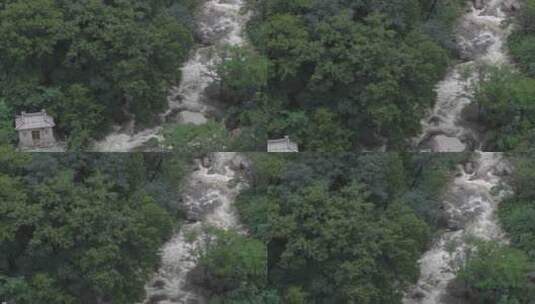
(470, 112)
(417, 294)
(531, 277)
(435, 120)
(502, 169)
(158, 284)
(469, 168)
(157, 298)
(454, 226)
(188, 117)
(479, 4)
(206, 162)
(511, 6)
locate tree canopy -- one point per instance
(342, 75)
(82, 228)
(92, 63)
(342, 227)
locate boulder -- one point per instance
(417, 294)
(188, 117)
(160, 284)
(502, 169)
(206, 161)
(469, 168)
(531, 277)
(470, 112)
(479, 4)
(157, 298)
(511, 6)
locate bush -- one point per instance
(494, 273)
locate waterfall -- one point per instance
(470, 204)
(481, 37)
(220, 23)
(207, 201)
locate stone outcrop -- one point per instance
(511, 6)
(479, 4)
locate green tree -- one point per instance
(496, 274)
(242, 73)
(7, 131)
(335, 244)
(506, 101)
(79, 237)
(373, 64)
(116, 58)
(234, 267)
(79, 115)
(197, 140)
(326, 134)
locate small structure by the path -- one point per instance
(282, 145)
(35, 130)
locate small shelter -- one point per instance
(35, 129)
(282, 145)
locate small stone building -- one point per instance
(35, 130)
(282, 145)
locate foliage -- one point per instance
(517, 131)
(495, 273)
(242, 73)
(80, 228)
(506, 107)
(498, 273)
(234, 268)
(517, 213)
(7, 133)
(342, 227)
(348, 74)
(92, 63)
(197, 140)
(312, 222)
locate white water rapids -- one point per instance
(481, 37)
(220, 23)
(470, 204)
(471, 201)
(208, 199)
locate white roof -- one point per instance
(282, 145)
(34, 121)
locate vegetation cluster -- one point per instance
(91, 64)
(505, 95)
(345, 228)
(84, 228)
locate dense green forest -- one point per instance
(84, 228)
(341, 75)
(90, 63)
(338, 227)
(345, 228)
(506, 95)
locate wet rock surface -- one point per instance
(469, 208)
(452, 125)
(220, 23)
(207, 201)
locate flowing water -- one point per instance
(220, 24)
(481, 36)
(207, 202)
(470, 204)
(472, 199)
